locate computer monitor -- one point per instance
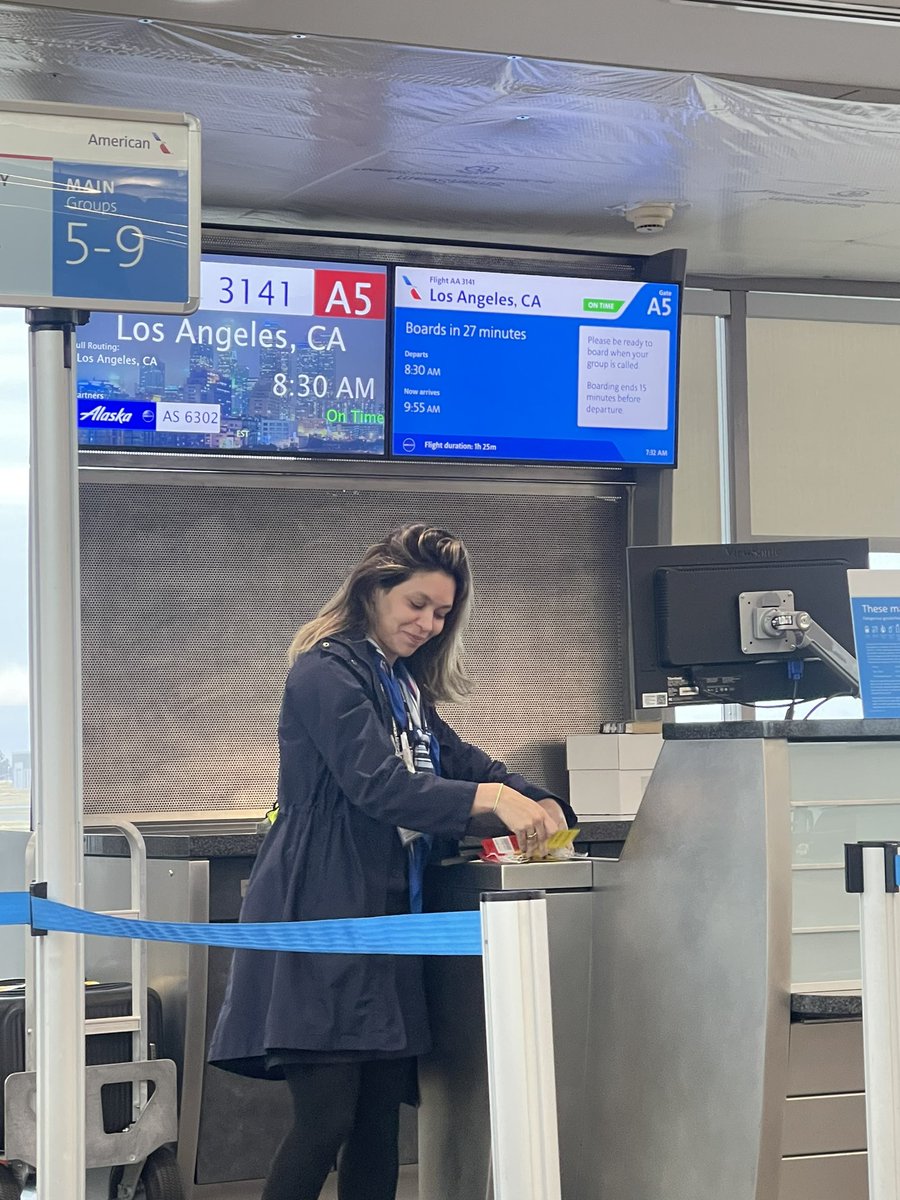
(557, 368)
(285, 356)
(730, 624)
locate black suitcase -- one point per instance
(101, 1000)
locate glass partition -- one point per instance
(840, 792)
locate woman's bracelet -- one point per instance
(497, 798)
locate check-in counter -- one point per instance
(454, 1117)
(724, 1049)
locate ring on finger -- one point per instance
(531, 833)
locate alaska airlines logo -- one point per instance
(412, 291)
(102, 413)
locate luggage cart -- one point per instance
(136, 1162)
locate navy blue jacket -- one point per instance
(334, 852)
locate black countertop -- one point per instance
(240, 839)
(237, 844)
(870, 730)
(826, 1006)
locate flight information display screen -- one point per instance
(534, 368)
(283, 356)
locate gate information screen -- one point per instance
(534, 368)
(283, 356)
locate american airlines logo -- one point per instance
(101, 413)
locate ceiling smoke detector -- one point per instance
(650, 218)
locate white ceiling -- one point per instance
(333, 133)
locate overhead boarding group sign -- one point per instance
(99, 208)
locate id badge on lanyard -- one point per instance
(411, 743)
(399, 732)
(403, 748)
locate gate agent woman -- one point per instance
(370, 779)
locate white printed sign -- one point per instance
(623, 378)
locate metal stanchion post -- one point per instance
(872, 871)
(518, 1018)
(56, 746)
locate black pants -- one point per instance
(349, 1112)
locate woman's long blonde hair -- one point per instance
(436, 666)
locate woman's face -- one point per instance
(408, 615)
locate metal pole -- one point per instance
(518, 1020)
(871, 870)
(56, 747)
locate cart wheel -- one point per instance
(160, 1178)
(9, 1185)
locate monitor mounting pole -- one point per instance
(771, 624)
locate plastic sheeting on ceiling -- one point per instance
(368, 137)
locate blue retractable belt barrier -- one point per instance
(421, 933)
(15, 908)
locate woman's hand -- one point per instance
(529, 820)
(551, 807)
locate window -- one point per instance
(696, 484)
(823, 426)
(15, 750)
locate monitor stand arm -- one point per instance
(770, 624)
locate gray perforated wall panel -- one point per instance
(192, 593)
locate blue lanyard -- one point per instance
(394, 695)
(419, 847)
(402, 715)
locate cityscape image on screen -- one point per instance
(284, 356)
